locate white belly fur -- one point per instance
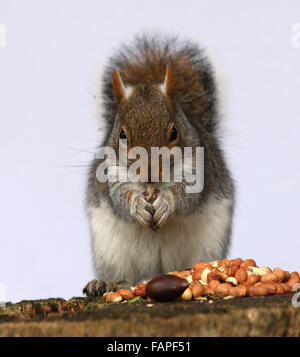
(130, 252)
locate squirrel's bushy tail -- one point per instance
(145, 61)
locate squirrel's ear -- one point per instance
(168, 85)
(120, 90)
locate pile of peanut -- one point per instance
(236, 278)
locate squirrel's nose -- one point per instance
(151, 193)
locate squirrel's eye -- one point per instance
(122, 135)
(174, 134)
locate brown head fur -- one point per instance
(148, 113)
(191, 76)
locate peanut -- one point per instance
(202, 266)
(237, 262)
(228, 272)
(246, 283)
(294, 274)
(223, 288)
(197, 274)
(253, 279)
(197, 290)
(280, 273)
(258, 289)
(241, 275)
(208, 290)
(270, 278)
(271, 287)
(248, 262)
(279, 288)
(113, 297)
(213, 283)
(126, 294)
(294, 279)
(140, 290)
(239, 291)
(213, 275)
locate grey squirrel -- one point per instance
(158, 92)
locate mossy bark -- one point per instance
(255, 316)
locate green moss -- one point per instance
(137, 299)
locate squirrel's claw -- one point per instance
(161, 215)
(163, 207)
(95, 288)
(99, 287)
(141, 210)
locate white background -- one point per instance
(47, 124)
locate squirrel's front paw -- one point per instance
(95, 288)
(163, 206)
(141, 210)
(99, 287)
